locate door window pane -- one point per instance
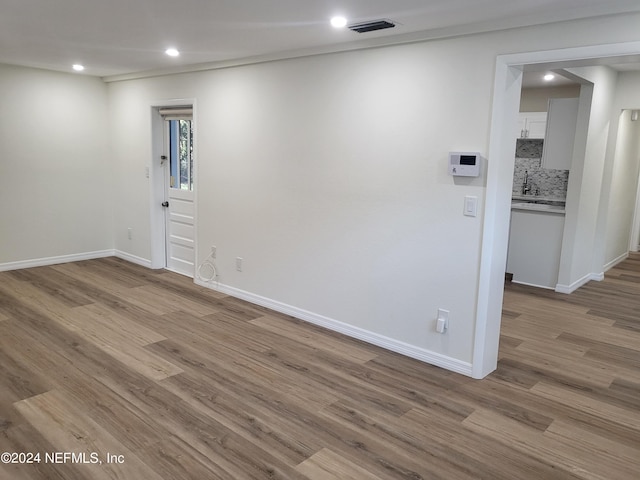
(181, 154)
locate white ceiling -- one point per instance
(533, 74)
(115, 37)
(536, 80)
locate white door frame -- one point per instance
(157, 187)
(495, 235)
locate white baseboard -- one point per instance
(580, 282)
(132, 258)
(616, 261)
(367, 336)
(42, 262)
(77, 257)
(532, 285)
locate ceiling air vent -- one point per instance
(371, 26)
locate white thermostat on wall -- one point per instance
(464, 164)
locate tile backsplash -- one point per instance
(529, 148)
(546, 182)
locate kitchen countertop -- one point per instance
(538, 207)
(537, 198)
(537, 203)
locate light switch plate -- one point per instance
(470, 206)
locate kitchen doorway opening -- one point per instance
(506, 101)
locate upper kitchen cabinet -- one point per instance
(532, 124)
(562, 117)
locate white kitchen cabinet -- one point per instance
(562, 117)
(532, 125)
(535, 244)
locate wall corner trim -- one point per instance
(387, 343)
(132, 258)
(598, 277)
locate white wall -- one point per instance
(627, 92)
(130, 143)
(327, 174)
(603, 184)
(537, 99)
(582, 256)
(627, 97)
(56, 194)
(624, 184)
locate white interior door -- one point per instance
(179, 200)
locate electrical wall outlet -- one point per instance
(129, 233)
(442, 322)
(213, 251)
(239, 264)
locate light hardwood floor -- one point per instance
(175, 381)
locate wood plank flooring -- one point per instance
(140, 374)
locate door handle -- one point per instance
(165, 204)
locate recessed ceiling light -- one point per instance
(338, 22)
(548, 77)
(77, 67)
(172, 52)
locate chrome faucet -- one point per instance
(526, 188)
